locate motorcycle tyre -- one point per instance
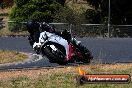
(53, 58)
(87, 57)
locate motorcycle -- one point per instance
(60, 50)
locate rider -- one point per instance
(48, 33)
(35, 29)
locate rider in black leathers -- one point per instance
(35, 28)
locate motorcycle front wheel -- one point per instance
(54, 57)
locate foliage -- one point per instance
(38, 10)
(1, 23)
(2, 5)
(120, 14)
(120, 10)
(71, 16)
(94, 3)
(93, 16)
(62, 2)
(65, 14)
(6, 3)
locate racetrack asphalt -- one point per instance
(104, 50)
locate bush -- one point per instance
(93, 16)
(16, 27)
(2, 5)
(38, 10)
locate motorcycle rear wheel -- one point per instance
(86, 54)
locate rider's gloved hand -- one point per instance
(36, 47)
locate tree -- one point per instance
(121, 10)
(2, 4)
(94, 3)
(93, 16)
(39, 10)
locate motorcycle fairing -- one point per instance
(46, 37)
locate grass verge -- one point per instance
(11, 56)
(61, 77)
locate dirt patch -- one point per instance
(11, 56)
(35, 73)
(113, 66)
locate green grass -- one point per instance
(61, 79)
